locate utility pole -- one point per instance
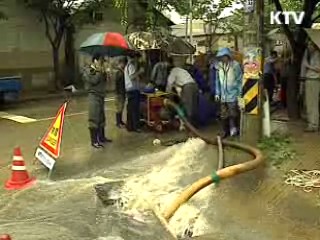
(251, 124)
(191, 29)
(261, 37)
(187, 27)
(191, 19)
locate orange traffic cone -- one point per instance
(5, 237)
(20, 178)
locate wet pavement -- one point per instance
(256, 205)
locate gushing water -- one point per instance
(68, 209)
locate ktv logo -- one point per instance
(288, 16)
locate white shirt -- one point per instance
(129, 70)
(314, 62)
(178, 78)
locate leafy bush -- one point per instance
(277, 149)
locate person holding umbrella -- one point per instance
(95, 79)
(109, 44)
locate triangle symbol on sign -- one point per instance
(52, 139)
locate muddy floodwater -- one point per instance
(125, 200)
(71, 209)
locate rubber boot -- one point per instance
(94, 138)
(119, 122)
(225, 129)
(102, 137)
(233, 127)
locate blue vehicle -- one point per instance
(10, 89)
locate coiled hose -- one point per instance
(217, 176)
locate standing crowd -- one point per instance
(170, 74)
(198, 95)
(277, 72)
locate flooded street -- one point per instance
(122, 190)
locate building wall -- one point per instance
(25, 50)
(221, 39)
(218, 42)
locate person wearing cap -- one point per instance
(187, 88)
(228, 84)
(95, 81)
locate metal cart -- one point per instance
(154, 103)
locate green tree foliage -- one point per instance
(143, 14)
(60, 18)
(201, 9)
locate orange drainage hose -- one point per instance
(216, 177)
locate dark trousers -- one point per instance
(190, 101)
(96, 111)
(230, 117)
(133, 110)
(284, 91)
(269, 85)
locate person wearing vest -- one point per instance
(310, 71)
(132, 75)
(228, 84)
(95, 80)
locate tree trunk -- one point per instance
(236, 42)
(69, 51)
(56, 67)
(293, 84)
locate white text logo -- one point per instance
(288, 17)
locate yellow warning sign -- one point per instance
(52, 139)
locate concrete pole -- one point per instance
(191, 29)
(191, 19)
(187, 28)
(261, 40)
(252, 124)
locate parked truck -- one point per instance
(10, 89)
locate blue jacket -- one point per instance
(228, 89)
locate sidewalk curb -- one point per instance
(79, 93)
(51, 96)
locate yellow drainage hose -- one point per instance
(216, 176)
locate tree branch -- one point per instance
(47, 27)
(285, 27)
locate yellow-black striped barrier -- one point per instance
(250, 94)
